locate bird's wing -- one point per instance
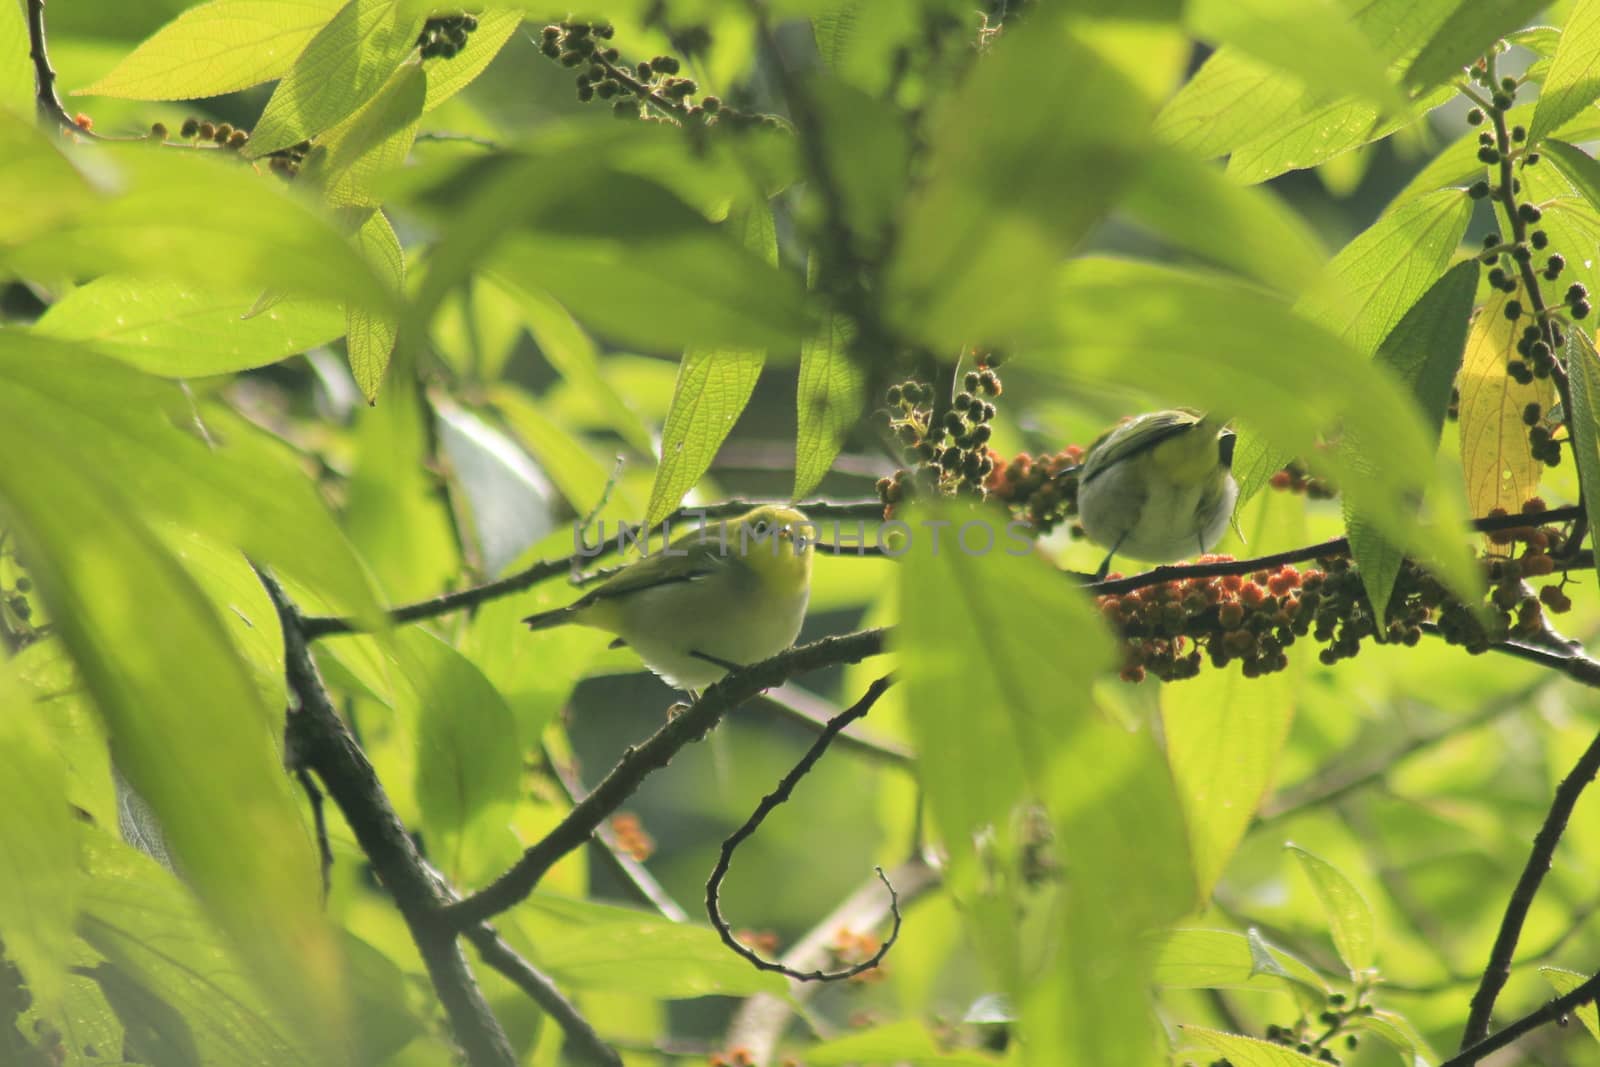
(1133, 437)
(645, 575)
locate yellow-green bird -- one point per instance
(1158, 487)
(729, 594)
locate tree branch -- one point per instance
(582, 1039)
(49, 105)
(768, 803)
(1334, 547)
(319, 737)
(759, 1023)
(315, 626)
(640, 761)
(635, 873)
(1498, 970)
(1550, 1012)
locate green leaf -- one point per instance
(1223, 959)
(961, 644)
(350, 159)
(1365, 290)
(830, 398)
(906, 1042)
(598, 946)
(1224, 735)
(214, 779)
(1424, 351)
(572, 353)
(1244, 1051)
(447, 77)
(152, 224)
(1467, 34)
(1386, 268)
(868, 150)
(1349, 917)
(1269, 121)
(580, 476)
(217, 48)
(1196, 207)
(1399, 1033)
(1574, 79)
(1578, 166)
(176, 986)
(343, 67)
(632, 260)
(242, 495)
(712, 390)
(395, 514)
(979, 240)
(469, 762)
(1563, 982)
(370, 335)
(1216, 344)
(1311, 39)
(16, 80)
(39, 845)
(1583, 368)
(183, 330)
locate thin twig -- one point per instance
(1550, 1012)
(49, 105)
(765, 808)
(319, 821)
(639, 761)
(316, 626)
(1498, 970)
(813, 712)
(637, 876)
(583, 1042)
(1333, 548)
(321, 739)
(761, 1020)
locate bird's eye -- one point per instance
(761, 527)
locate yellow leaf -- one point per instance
(1500, 471)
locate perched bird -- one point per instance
(729, 594)
(1158, 487)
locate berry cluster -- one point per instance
(949, 448)
(445, 36)
(1040, 490)
(220, 134)
(631, 836)
(1295, 478)
(1169, 629)
(630, 87)
(763, 942)
(1315, 1038)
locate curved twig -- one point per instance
(778, 796)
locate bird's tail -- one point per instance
(546, 619)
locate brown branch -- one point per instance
(1331, 548)
(762, 1019)
(320, 738)
(778, 796)
(638, 877)
(583, 1042)
(638, 762)
(1540, 859)
(812, 712)
(315, 626)
(1550, 1012)
(49, 105)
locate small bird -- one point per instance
(1158, 487)
(729, 594)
